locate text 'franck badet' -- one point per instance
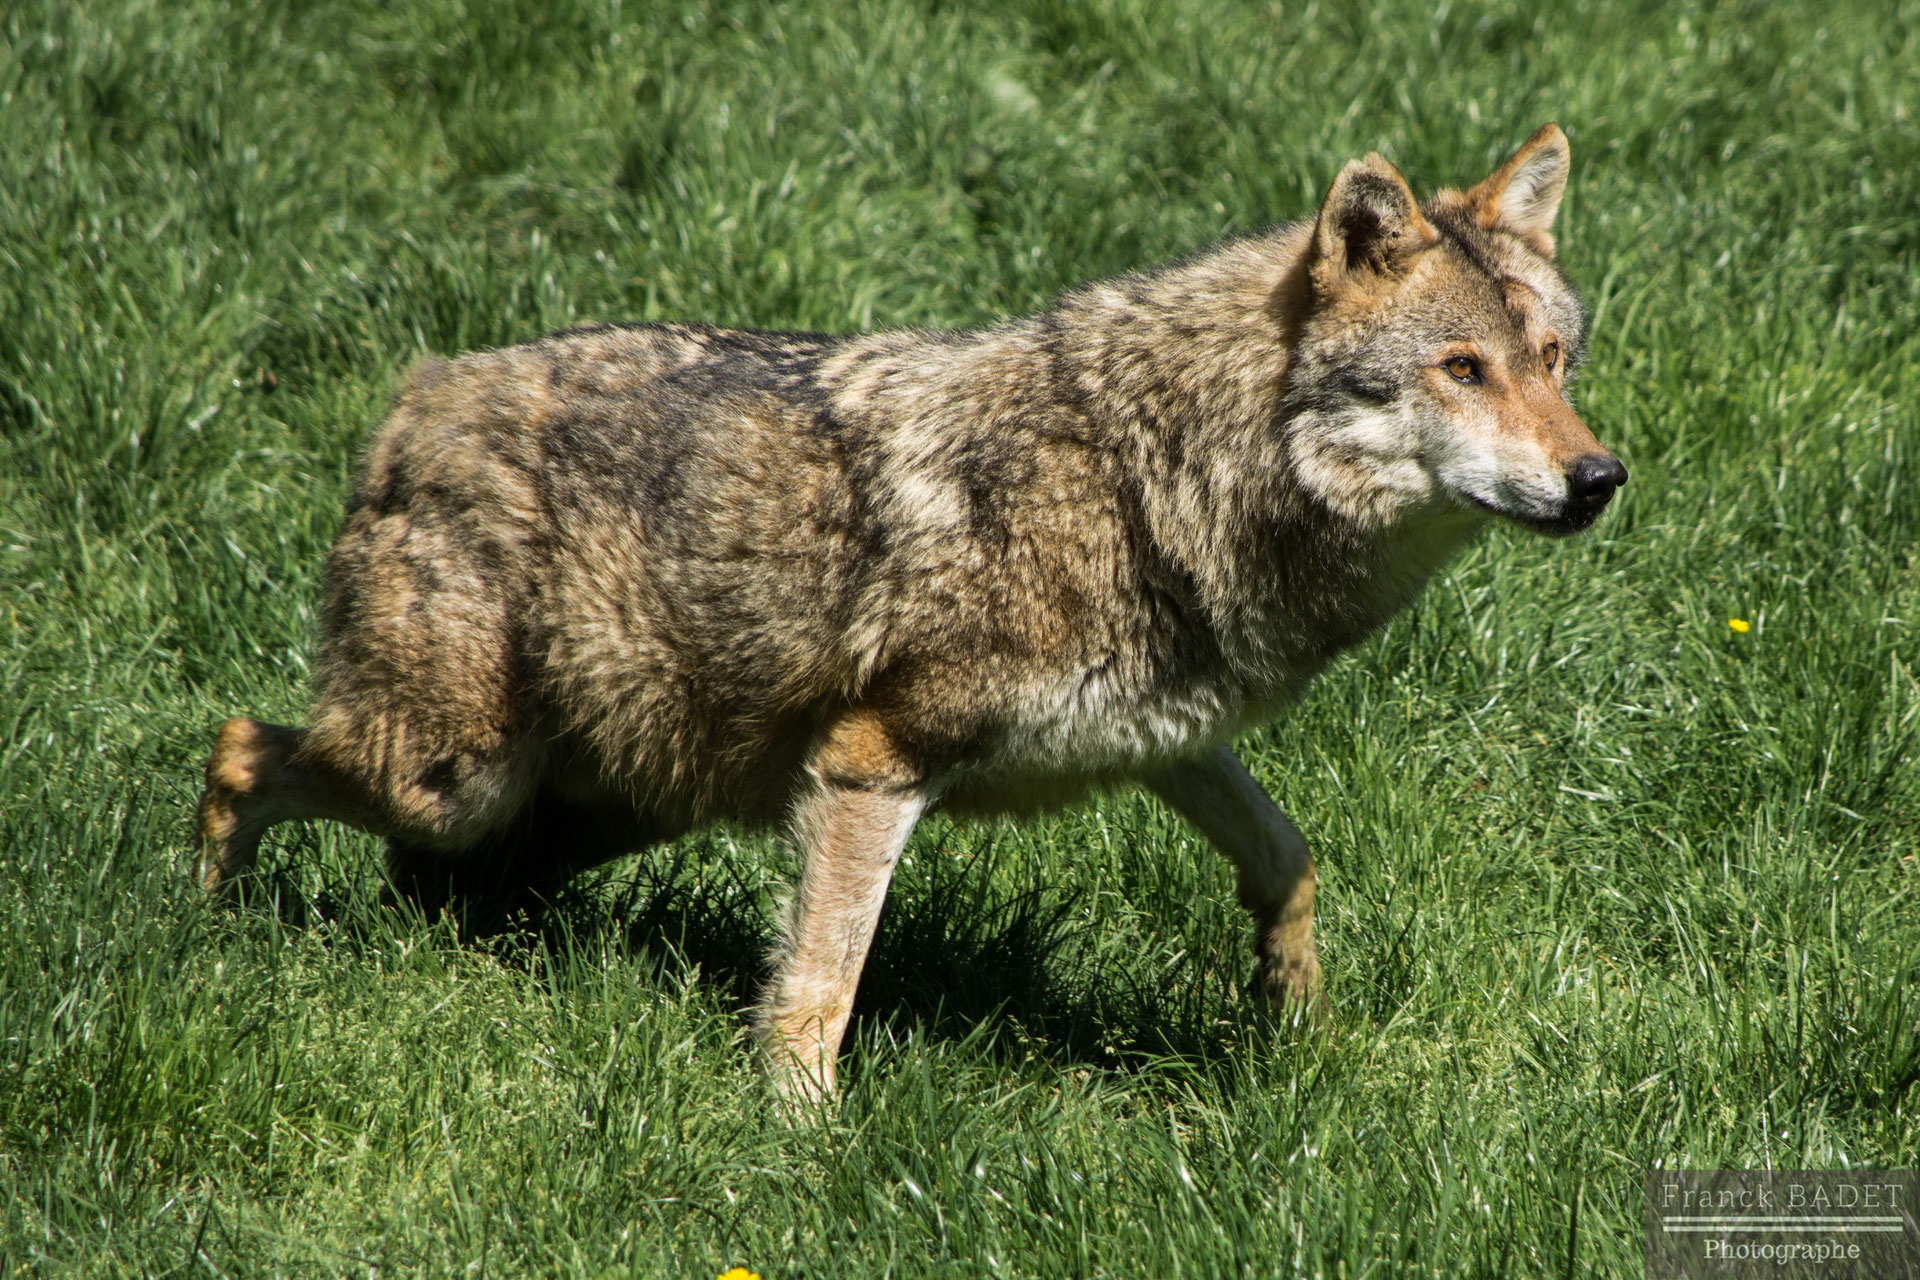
(1826, 1223)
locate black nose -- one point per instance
(1593, 479)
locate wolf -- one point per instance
(606, 587)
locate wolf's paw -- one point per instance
(1292, 990)
(226, 844)
(802, 1097)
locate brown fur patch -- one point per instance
(858, 750)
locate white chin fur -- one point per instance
(1525, 493)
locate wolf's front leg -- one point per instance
(1215, 793)
(851, 825)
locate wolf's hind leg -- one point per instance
(255, 780)
(1276, 873)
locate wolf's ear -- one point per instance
(1523, 194)
(1369, 224)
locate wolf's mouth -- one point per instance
(1573, 518)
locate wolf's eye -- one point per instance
(1551, 354)
(1463, 368)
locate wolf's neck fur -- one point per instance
(1185, 370)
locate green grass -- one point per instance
(1606, 886)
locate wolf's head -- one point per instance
(1435, 350)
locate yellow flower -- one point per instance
(737, 1273)
(1739, 626)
